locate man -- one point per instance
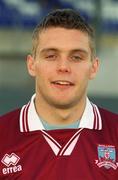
(60, 134)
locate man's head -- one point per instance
(64, 18)
(62, 61)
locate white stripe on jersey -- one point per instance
(65, 150)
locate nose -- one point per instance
(63, 66)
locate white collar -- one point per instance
(30, 121)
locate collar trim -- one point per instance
(30, 121)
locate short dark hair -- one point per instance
(65, 18)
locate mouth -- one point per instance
(62, 83)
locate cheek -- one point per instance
(83, 72)
(43, 67)
(42, 73)
(39, 68)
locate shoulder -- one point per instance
(108, 114)
(108, 118)
(10, 118)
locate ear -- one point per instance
(94, 68)
(31, 65)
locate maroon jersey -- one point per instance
(29, 152)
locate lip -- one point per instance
(62, 84)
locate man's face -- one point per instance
(62, 67)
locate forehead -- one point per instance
(63, 38)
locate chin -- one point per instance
(63, 105)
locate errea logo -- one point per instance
(11, 159)
(11, 162)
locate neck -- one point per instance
(58, 116)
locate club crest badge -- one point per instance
(106, 157)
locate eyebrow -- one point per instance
(48, 49)
(71, 51)
(83, 51)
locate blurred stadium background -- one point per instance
(17, 21)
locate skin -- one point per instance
(62, 56)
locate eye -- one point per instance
(76, 58)
(51, 57)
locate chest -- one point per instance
(60, 155)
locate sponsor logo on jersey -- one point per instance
(106, 157)
(11, 163)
